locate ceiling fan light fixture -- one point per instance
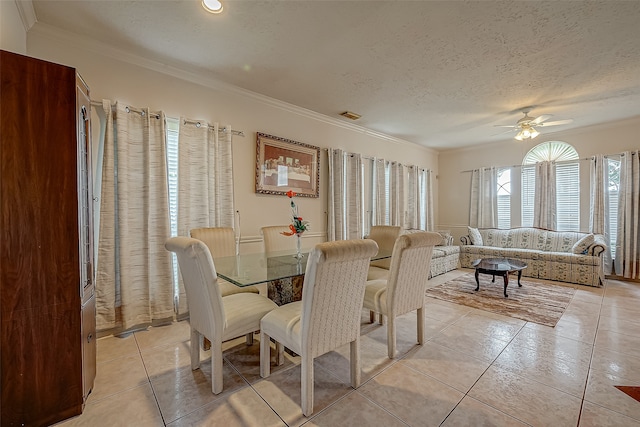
(527, 132)
(212, 6)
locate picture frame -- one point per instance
(283, 164)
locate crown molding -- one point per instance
(68, 39)
(27, 13)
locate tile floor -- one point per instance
(475, 369)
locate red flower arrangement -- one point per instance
(298, 226)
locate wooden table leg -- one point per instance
(519, 276)
(506, 283)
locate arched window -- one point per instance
(567, 183)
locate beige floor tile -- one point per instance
(618, 364)
(373, 359)
(167, 359)
(111, 347)
(246, 360)
(589, 294)
(621, 326)
(118, 375)
(183, 391)
(416, 399)
(601, 391)
(489, 324)
(457, 370)
(527, 400)
(546, 342)
(562, 373)
(158, 336)
(470, 342)
(134, 407)
(620, 343)
(471, 412)
(444, 311)
(282, 392)
(584, 307)
(567, 329)
(354, 410)
(596, 416)
(619, 312)
(241, 408)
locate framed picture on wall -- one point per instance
(283, 165)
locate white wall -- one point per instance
(112, 75)
(455, 184)
(13, 36)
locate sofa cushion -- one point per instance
(581, 246)
(474, 235)
(439, 251)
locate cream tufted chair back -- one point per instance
(274, 241)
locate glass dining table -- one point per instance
(282, 271)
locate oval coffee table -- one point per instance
(498, 267)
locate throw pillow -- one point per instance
(582, 245)
(447, 239)
(474, 235)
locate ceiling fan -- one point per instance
(527, 125)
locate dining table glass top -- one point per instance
(251, 269)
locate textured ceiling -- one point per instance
(438, 73)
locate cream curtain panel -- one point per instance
(599, 204)
(205, 182)
(134, 284)
(380, 195)
(345, 198)
(397, 201)
(544, 206)
(419, 199)
(483, 211)
(627, 263)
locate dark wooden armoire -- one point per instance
(47, 302)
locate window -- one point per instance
(172, 172)
(504, 198)
(614, 188)
(567, 183)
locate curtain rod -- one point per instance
(374, 158)
(157, 116)
(222, 129)
(564, 161)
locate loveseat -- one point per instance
(444, 258)
(564, 256)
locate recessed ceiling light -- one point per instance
(212, 6)
(350, 115)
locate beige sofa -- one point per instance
(564, 256)
(445, 256)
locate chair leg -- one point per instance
(391, 335)
(420, 315)
(372, 316)
(216, 366)
(307, 385)
(195, 349)
(279, 353)
(381, 318)
(354, 359)
(249, 337)
(265, 355)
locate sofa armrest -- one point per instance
(466, 240)
(598, 247)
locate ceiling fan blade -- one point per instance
(502, 133)
(557, 122)
(505, 126)
(538, 120)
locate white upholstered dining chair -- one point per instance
(275, 241)
(385, 236)
(211, 315)
(221, 242)
(328, 315)
(404, 290)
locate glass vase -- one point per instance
(298, 254)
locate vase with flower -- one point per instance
(297, 226)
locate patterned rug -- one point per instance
(533, 302)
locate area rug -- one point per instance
(533, 302)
